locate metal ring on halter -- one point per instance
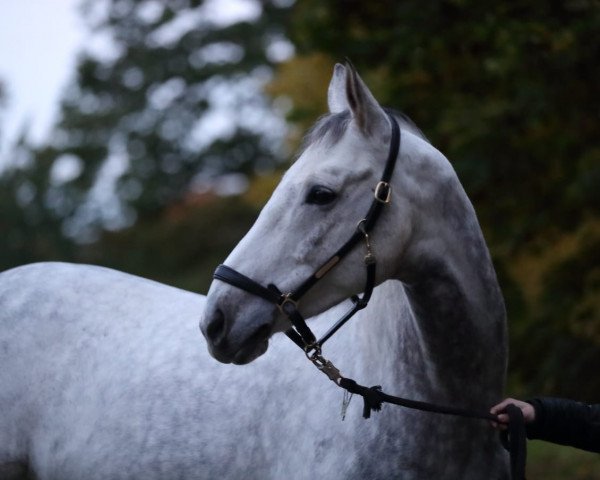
(313, 350)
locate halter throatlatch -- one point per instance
(303, 336)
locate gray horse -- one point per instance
(104, 377)
(445, 341)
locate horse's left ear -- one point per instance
(367, 112)
(336, 94)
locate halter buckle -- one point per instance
(383, 192)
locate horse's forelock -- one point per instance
(330, 128)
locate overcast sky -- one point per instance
(38, 44)
(39, 41)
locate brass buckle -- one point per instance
(383, 192)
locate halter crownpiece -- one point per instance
(287, 303)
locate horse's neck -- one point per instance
(448, 330)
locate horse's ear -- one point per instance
(367, 112)
(336, 94)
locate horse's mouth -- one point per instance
(249, 353)
(252, 348)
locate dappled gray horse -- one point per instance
(442, 337)
(103, 375)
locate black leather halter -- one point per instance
(300, 333)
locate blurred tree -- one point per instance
(181, 246)
(2, 107)
(509, 92)
(303, 79)
(171, 100)
(30, 223)
(167, 96)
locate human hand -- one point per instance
(502, 424)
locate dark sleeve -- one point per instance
(566, 422)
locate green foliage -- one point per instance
(507, 90)
(30, 225)
(564, 331)
(554, 462)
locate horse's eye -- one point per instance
(319, 195)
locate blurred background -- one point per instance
(145, 135)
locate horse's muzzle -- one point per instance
(237, 342)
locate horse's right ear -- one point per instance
(366, 111)
(336, 94)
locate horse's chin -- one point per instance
(243, 356)
(250, 353)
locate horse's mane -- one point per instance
(331, 127)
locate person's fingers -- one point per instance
(503, 419)
(496, 409)
(500, 425)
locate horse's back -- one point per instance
(105, 375)
(90, 358)
(53, 314)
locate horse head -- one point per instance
(312, 212)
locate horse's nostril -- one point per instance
(215, 330)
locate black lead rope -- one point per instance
(513, 439)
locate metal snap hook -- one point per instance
(324, 365)
(370, 256)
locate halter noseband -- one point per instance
(287, 303)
